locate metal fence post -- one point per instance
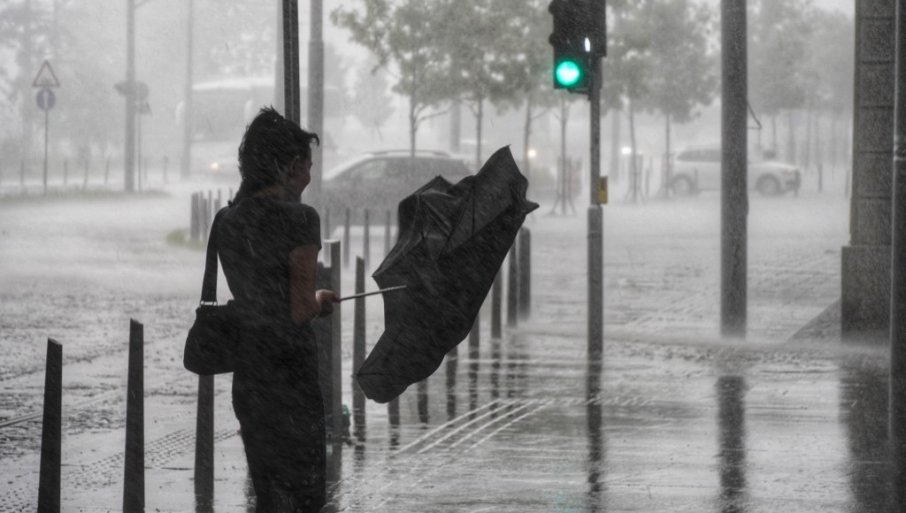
(525, 273)
(387, 234)
(336, 360)
(346, 247)
(512, 296)
(358, 351)
(134, 466)
(204, 442)
(51, 431)
(366, 241)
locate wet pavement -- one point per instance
(673, 418)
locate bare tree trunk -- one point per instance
(791, 138)
(807, 149)
(413, 126)
(667, 176)
(633, 165)
(615, 149)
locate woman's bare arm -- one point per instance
(306, 303)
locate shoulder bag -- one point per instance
(214, 340)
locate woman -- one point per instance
(268, 242)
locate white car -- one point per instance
(697, 168)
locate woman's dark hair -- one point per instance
(269, 145)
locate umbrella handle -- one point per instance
(373, 292)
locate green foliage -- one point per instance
(370, 102)
(683, 69)
(403, 36)
(779, 31)
(830, 61)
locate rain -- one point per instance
(688, 300)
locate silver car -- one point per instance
(697, 168)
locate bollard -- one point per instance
(358, 350)
(820, 177)
(525, 273)
(423, 401)
(346, 247)
(51, 431)
(452, 362)
(134, 465)
(107, 172)
(387, 234)
(327, 228)
(204, 442)
(366, 241)
(512, 292)
(336, 358)
(203, 217)
(219, 201)
(193, 218)
(322, 327)
(496, 300)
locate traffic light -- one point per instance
(578, 39)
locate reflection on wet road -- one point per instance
(655, 428)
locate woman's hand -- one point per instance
(326, 298)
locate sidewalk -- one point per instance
(676, 420)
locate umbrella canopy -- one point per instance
(452, 242)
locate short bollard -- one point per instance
(336, 338)
(204, 442)
(512, 291)
(51, 431)
(134, 466)
(387, 221)
(423, 401)
(346, 247)
(525, 273)
(496, 305)
(327, 228)
(366, 241)
(358, 350)
(193, 218)
(452, 363)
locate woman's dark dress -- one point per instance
(276, 394)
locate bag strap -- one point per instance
(209, 282)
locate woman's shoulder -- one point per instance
(300, 211)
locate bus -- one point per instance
(221, 109)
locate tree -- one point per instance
(402, 35)
(683, 70)
(778, 38)
(370, 103)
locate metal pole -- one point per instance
(129, 147)
(204, 442)
(734, 197)
(358, 350)
(51, 431)
(316, 90)
(336, 355)
(134, 465)
(46, 129)
(595, 227)
(898, 273)
(185, 165)
(291, 60)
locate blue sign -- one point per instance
(46, 99)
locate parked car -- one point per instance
(379, 180)
(697, 168)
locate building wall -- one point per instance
(866, 260)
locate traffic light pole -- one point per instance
(595, 226)
(897, 417)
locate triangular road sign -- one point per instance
(45, 77)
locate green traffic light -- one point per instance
(568, 73)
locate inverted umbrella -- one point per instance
(452, 242)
